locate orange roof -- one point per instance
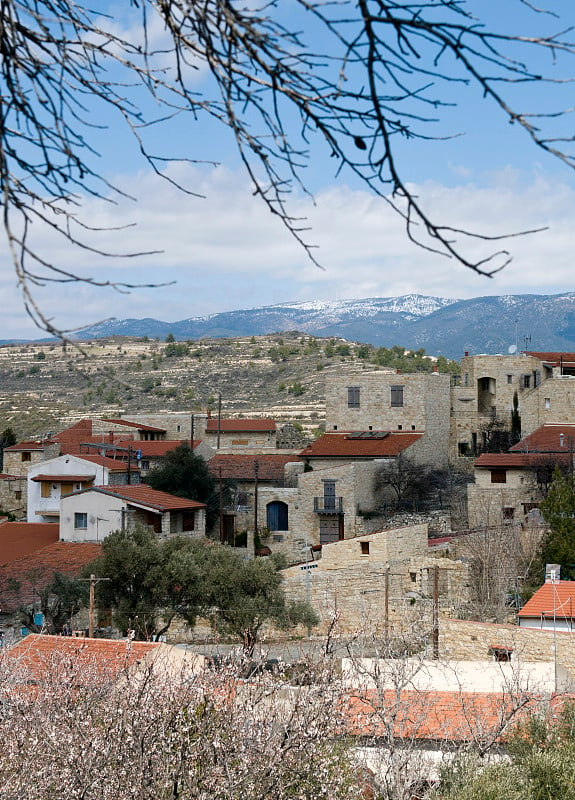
(21, 579)
(113, 464)
(137, 425)
(18, 539)
(40, 656)
(433, 715)
(551, 599)
(547, 439)
(368, 444)
(241, 467)
(240, 425)
(143, 495)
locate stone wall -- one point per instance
(13, 496)
(464, 640)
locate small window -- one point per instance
(526, 381)
(335, 427)
(400, 427)
(397, 396)
(80, 520)
(45, 489)
(413, 427)
(413, 577)
(501, 653)
(510, 379)
(547, 403)
(17, 494)
(508, 514)
(26, 456)
(466, 379)
(353, 397)
(463, 448)
(498, 476)
(364, 548)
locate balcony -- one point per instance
(328, 505)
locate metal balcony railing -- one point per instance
(328, 505)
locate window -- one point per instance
(510, 379)
(80, 520)
(400, 427)
(364, 548)
(547, 403)
(397, 396)
(463, 448)
(498, 476)
(526, 381)
(26, 456)
(45, 489)
(67, 488)
(501, 653)
(508, 514)
(277, 516)
(353, 397)
(466, 379)
(18, 494)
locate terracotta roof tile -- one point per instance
(29, 445)
(551, 598)
(41, 657)
(241, 467)
(547, 439)
(160, 448)
(113, 464)
(516, 460)
(239, 425)
(21, 579)
(552, 358)
(18, 539)
(145, 496)
(351, 445)
(436, 716)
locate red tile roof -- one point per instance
(20, 580)
(18, 539)
(41, 657)
(547, 439)
(113, 464)
(241, 467)
(435, 716)
(137, 425)
(240, 425)
(551, 598)
(28, 445)
(350, 445)
(553, 358)
(143, 495)
(516, 460)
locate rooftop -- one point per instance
(143, 495)
(19, 539)
(240, 425)
(551, 599)
(550, 438)
(241, 467)
(355, 445)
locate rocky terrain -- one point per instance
(45, 386)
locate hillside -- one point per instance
(45, 386)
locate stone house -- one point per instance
(51, 480)
(259, 434)
(92, 514)
(394, 402)
(358, 578)
(510, 486)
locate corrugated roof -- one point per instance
(145, 496)
(241, 467)
(239, 425)
(547, 439)
(551, 599)
(18, 539)
(21, 579)
(334, 445)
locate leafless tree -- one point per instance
(360, 77)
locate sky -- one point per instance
(225, 251)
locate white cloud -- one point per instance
(228, 252)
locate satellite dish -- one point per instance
(512, 349)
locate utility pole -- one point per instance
(221, 506)
(129, 464)
(386, 612)
(256, 471)
(436, 613)
(91, 608)
(219, 419)
(192, 432)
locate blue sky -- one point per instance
(226, 252)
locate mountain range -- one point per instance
(442, 326)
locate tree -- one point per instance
(148, 581)
(185, 474)
(404, 485)
(359, 78)
(7, 439)
(245, 595)
(558, 509)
